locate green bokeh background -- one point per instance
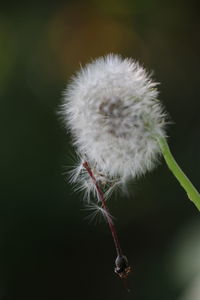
(48, 250)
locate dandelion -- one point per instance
(112, 110)
(118, 127)
(118, 124)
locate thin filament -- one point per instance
(103, 201)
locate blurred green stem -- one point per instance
(191, 191)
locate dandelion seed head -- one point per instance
(112, 110)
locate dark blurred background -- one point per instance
(47, 248)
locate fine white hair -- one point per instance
(112, 109)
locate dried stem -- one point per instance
(103, 201)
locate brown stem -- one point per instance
(103, 201)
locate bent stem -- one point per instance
(191, 191)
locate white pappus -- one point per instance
(113, 113)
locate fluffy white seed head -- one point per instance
(112, 110)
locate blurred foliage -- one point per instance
(47, 250)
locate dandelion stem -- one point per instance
(103, 201)
(191, 191)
